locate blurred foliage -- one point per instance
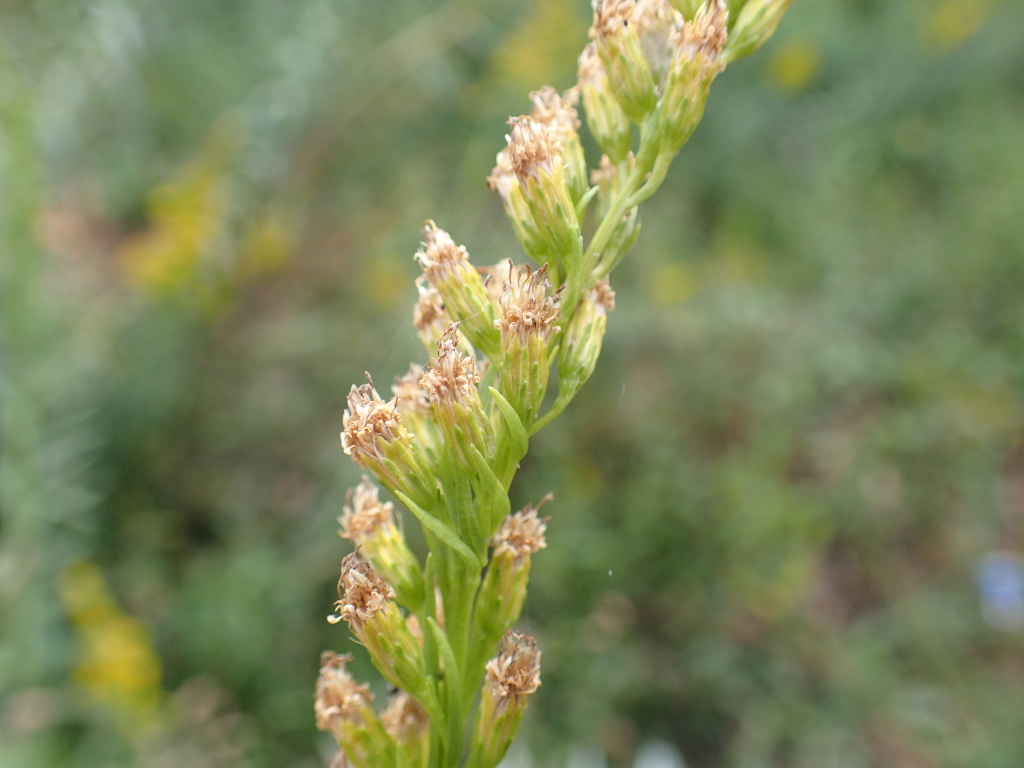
(806, 434)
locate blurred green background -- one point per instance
(789, 507)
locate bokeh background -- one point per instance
(789, 507)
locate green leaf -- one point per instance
(444, 532)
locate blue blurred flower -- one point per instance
(1000, 579)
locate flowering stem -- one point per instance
(449, 443)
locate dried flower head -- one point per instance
(362, 592)
(452, 377)
(368, 422)
(556, 110)
(497, 276)
(616, 32)
(409, 395)
(697, 59)
(438, 254)
(536, 188)
(526, 307)
(533, 148)
(403, 718)
(364, 513)
(503, 178)
(655, 21)
(705, 36)
(521, 534)
(460, 285)
(610, 16)
(602, 296)
(515, 673)
(429, 315)
(338, 696)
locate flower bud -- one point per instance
(375, 438)
(504, 587)
(371, 526)
(696, 61)
(558, 112)
(605, 117)
(581, 344)
(621, 50)
(446, 265)
(530, 175)
(527, 323)
(343, 709)
(756, 23)
(511, 677)
(451, 386)
(365, 603)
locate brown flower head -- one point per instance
(429, 315)
(338, 696)
(521, 534)
(503, 178)
(556, 110)
(364, 513)
(526, 307)
(403, 718)
(610, 16)
(452, 377)
(515, 673)
(438, 254)
(705, 36)
(533, 148)
(369, 422)
(602, 296)
(362, 593)
(409, 395)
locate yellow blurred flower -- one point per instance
(951, 22)
(796, 66)
(186, 215)
(671, 283)
(540, 46)
(117, 665)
